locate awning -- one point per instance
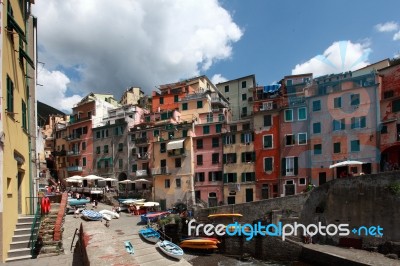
(176, 144)
(272, 88)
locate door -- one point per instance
(231, 199)
(264, 192)
(197, 194)
(322, 178)
(289, 189)
(163, 204)
(20, 177)
(249, 194)
(212, 202)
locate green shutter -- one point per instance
(234, 177)
(253, 156)
(296, 165)
(224, 140)
(233, 139)
(283, 167)
(243, 177)
(224, 158)
(243, 157)
(363, 122)
(253, 176)
(242, 138)
(225, 178)
(235, 158)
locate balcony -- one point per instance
(142, 156)
(74, 120)
(195, 96)
(219, 102)
(177, 153)
(141, 141)
(74, 169)
(73, 137)
(140, 173)
(60, 153)
(160, 171)
(73, 153)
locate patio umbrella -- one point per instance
(126, 182)
(93, 177)
(109, 179)
(75, 177)
(71, 180)
(345, 163)
(141, 180)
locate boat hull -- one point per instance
(150, 235)
(170, 249)
(92, 215)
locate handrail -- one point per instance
(33, 238)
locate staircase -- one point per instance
(20, 247)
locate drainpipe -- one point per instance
(378, 123)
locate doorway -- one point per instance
(231, 199)
(249, 194)
(20, 178)
(212, 199)
(264, 191)
(322, 178)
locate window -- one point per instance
(206, 129)
(210, 118)
(267, 120)
(302, 181)
(98, 134)
(248, 157)
(396, 106)
(317, 149)
(167, 183)
(176, 98)
(227, 88)
(336, 147)
(317, 128)
(84, 146)
(184, 133)
(10, 95)
(178, 162)
(218, 128)
(120, 147)
(120, 163)
(229, 158)
(302, 138)
(105, 148)
(199, 104)
(290, 140)
(268, 164)
(244, 84)
(316, 105)
(215, 142)
(388, 94)
(358, 122)
(84, 161)
(24, 124)
(106, 163)
(215, 158)
(302, 113)
(200, 177)
(178, 182)
(117, 131)
(248, 177)
(98, 150)
(288, 115)
(199, 144)
(233, 128)
(290, 166)
(384, 129)
(161, 100)
(244, 111)
(84, 130)
(355, 145)
(156, 133)
(221, 118)
(355, 99)
(184, 106)
(267, 141)
(230, 178)
(229, 139)
(163, 147)
(339, 124)
(246, 138)
(289, 82)
(134, 167)
(215, 176)
(337, 102)
(244, 97)
(199, 159)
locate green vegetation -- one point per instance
(394, 188)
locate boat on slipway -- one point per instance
(150, 235)
(92, 215)
(170, 249)
(206, 243)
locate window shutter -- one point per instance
(224, 158)
(243, 157)
(253, 176)
(352, 122)
(283, 165)
(243, 177)
(225, 178)
(234, 158)
(234, 177)
(233, 139)
(296, 165)
(253, 156)
(242, 138)
(252, 137)
(209, 176)
(224, 140)
(363, 121)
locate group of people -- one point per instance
(390, 166)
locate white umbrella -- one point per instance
(75, 177)
(109, 179)
(126, 181)
(73, 180)
(345, 163)
(151, 204)
(93, 177)
(141, 180)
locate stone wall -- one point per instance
(60, 217)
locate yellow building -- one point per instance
(17, 48)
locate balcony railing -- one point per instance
(73, 137)
(193, 97)
(176, 153)
(160, 171)
(215, 100)
(74, 169)
(60, 153)
(142, 156)
(73, 153)
(139, 141)
(141, 173)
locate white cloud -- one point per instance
(341, 56)
(53, 91)
(387, 27)
(396, 36)
(218, 78)
(111, 45)
(397, 55)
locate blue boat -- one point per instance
(150, 235)
(170, 249)
(152, 216)
(77, 202)
(129, 247)
(92, 215)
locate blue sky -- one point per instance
(280, 34)
(86, 48)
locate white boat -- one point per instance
(107, 217)
(92, 215)
(170, 249)
(132, 201)
(113, 215)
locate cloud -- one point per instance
(339, 57)
(396, 36)
(54, 89)
(218, 78)
(107, 46)
(387, 27)
(397, 55)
